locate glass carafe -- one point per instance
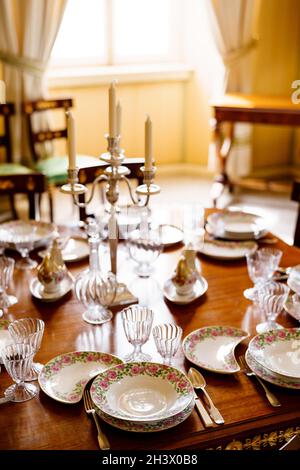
(94, 290)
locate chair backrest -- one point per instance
(296, 197)
(6, 110)
(42, 134)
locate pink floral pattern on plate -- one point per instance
(191, 341)
(269, 376)
(160, 425)
(100, 388)
(62, 362)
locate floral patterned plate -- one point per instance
(5, 337)
(212, 348)
(154, 426)
(279, 351)
(270, 376)
(142, 392)
(65, 376)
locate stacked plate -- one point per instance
(231, 234)
(142, 396)
(275, 357)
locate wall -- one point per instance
(276, 68)
(164, 102)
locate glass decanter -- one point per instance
(95, 291)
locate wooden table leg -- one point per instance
(223, 146)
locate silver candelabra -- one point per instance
(113, 174)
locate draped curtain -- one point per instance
(234, 26)
(28, 29)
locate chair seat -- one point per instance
(55, 168)
(7, 169)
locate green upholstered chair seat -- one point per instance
(7, 169)
(55, 168)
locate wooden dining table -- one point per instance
(251, 423)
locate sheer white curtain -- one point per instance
(234, 26)
(28, 29)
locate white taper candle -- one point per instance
(112, 109)
(148, 144)
(71, 141)
(119, 118)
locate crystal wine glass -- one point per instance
(17, 359)
(29, 331)
(167, 339)
(7, 265)
(261, 266)
(271, 298)
(137, 323)
(145, 245)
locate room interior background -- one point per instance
(179, 101)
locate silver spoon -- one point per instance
(198, 382)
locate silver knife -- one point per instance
(203, 413)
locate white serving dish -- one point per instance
(212, 348)
(64, 377)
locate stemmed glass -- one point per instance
(145, 245)
(17, 359)
(271, 298)
(29, 331)
(23, 240)
(193, 226)
(6, 274)
(137, 323)
(261, 266)
(167, 339)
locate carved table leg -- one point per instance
(223, 147)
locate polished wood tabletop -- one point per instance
(250, 421)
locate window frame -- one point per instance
(175, 55)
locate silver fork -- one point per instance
(246, 369)
(88, 406)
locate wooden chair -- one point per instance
(16, 178)
(88, 174)
(296, 197)
(54, 167)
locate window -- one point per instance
(114, 32)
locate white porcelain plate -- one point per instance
(65, 376)
(160, 425)
(227, 250)
(212, 348)
(142, 392)
(40, 232)
(270, 376)
(278, 350)
(170, 235)
(5, 337)
(75, 249)
(169, 290)
(236, 225)
(37, 289)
